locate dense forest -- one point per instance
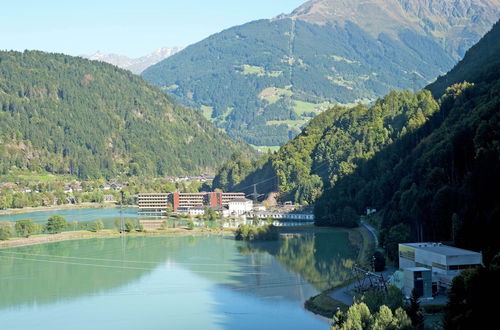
(261, 81)
(442, 181)
(328, 148)
(67, 115)
(430, 168)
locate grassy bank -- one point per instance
(324, 305)
(74, 235)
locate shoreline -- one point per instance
(107, 233)
(61, 207)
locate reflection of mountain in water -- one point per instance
(323, 259)
(49, 273)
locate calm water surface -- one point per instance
(170, 282)
(84, 215)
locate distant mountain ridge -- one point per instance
(136, 65)
(449, 21)
(68, 115)
(264, 80)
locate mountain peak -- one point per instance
(442, 19)
(136, 65)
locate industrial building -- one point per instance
(158, 203)
(203, 199)
(444, 262)
(240, 206)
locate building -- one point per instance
(445, 262)
(152, 203)
(240, 206)
(418, 278)
(211, 199)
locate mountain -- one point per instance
(441, 182)
(262, 81)
(66, 114)
(136, 65)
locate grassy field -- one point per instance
(16, 175)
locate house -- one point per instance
(240, 206)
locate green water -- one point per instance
(84, 215)
(170, 282)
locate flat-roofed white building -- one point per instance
(240, 206)
(444, 261)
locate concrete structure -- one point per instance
(283, 216)
(240, 206)
(418, 278)
(445, 262)
(152, 203)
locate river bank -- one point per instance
(76, 235)
(329, 301)
(60, 207)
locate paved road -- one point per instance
(371, 230)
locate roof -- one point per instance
(441, 249)
(240, 200)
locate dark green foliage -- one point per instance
(313, 63)
(26, 228)
(378, 261)
(129, 226)
(251, 233)
(441, 181)
(329, 148)
(5, 230)
(97, 226)
(190, 225)
(468, 305)
(393, 298)
(414, 311)
(56, 224)
(68, 115)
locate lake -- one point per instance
(83, 215)
(171, 282)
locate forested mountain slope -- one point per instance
(264, 80)
(329, 147)
(442, 181)
(65, 114)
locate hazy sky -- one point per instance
(132, 28)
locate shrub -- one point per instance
(26, 228)
(5, 230)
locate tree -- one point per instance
(359, 317)
(129, 226)
(5, 230)
(378, 261)
(415, 312)
(56, 224)
(97, 226)
(26, 228)
(190, 225)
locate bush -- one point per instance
(249, 233)
(56, 224)
(5, 230)
(190, 225)
(26, 228)
(129, 226)
(97, 226)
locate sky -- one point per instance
(132, 28)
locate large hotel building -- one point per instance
(157, 203)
